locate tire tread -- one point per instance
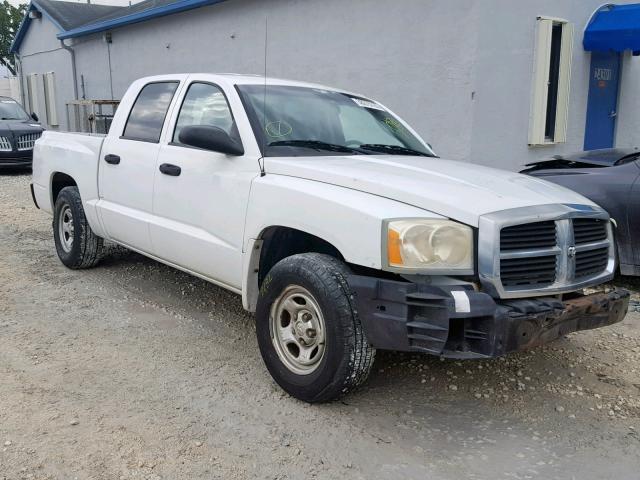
(91, 245)
(332, 274)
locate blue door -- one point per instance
(602, 107)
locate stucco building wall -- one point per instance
(460, 72)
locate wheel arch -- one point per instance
(60, 180)
(273, 244)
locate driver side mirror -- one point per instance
(34, 116)
(210, 138)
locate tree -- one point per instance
(10, 18)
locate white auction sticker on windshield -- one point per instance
(367, 104)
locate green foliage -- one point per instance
(10, 18)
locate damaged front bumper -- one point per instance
(455, 322)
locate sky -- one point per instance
(101, 2)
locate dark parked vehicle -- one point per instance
(611, 178)
(18, 134)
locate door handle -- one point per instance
(112, 159)
(171, 170)
(613, 114)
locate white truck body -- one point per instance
(206, 222)
(210, 220)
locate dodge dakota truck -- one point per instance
(338, 225)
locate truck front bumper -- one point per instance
(455, 322)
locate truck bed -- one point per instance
(77, 155)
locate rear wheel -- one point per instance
(77, 246)
(309, 333)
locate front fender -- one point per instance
(350, 220)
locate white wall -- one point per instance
(503, 83)
(40, 52)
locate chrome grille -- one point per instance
(529, 235)
(526, 271)
(587, 230)
(544, 250)
(529, 272)
(5, 144)
(591, 262)
(27, 141)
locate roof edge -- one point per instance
(177, 7)
(26, 21)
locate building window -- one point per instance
(551, 82)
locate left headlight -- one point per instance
(431, 245)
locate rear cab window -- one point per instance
(149, 111)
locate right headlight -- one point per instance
(429, 245)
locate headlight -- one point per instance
(416, 244)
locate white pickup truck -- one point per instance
(334, 220)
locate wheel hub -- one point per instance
(66, 228)
(297, 330)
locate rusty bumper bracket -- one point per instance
(422, 318)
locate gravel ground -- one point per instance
(134, 370)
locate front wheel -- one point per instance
(309, 333)
(76, 244)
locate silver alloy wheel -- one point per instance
(65, 228)
(297, 330)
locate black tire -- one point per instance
(348, 356)
(86, 246)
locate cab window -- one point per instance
(205, 104)
(149, 111)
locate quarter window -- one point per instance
(149, 111)
(205, 104)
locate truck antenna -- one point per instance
(264, 99)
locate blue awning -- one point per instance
(614, 28)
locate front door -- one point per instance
(128, 167)
(602, 107)
(200, 197)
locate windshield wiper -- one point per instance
(316, 145)
(394, 150)
(627, 158)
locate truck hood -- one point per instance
(457, 190)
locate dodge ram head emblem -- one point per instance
(571, 252)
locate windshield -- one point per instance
(304, 121)
(11, 110)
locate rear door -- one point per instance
(128, 166)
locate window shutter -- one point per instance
(540, 81)
(540, 87)
(50, 98)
